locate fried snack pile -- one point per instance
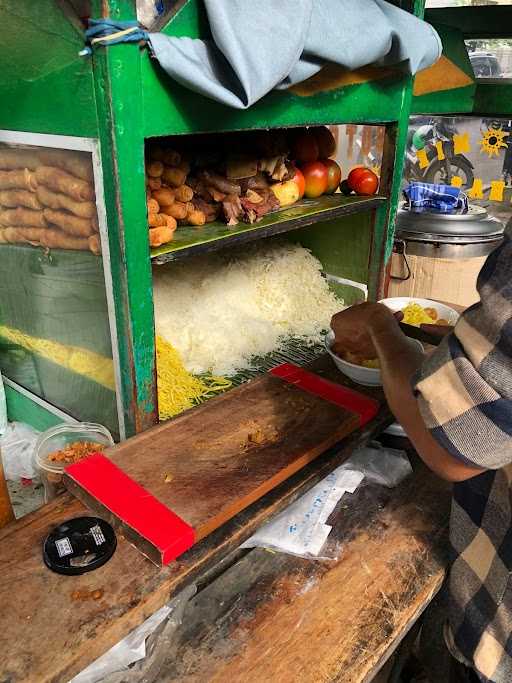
(47, 199)
(74, 452)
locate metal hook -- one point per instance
(399, 247)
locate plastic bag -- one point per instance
(114, 665)
(301, 528)
(385, 466)
(17, 447)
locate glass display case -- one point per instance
(55, 336)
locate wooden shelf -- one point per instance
(190, 241)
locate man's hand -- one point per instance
(353, 328)
(439, 331)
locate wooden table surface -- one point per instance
(52, 627)
(274, 617)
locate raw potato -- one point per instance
(22, 180)
(16, 198)
(78, 164)
(155, 169)
(164, 197)
(20, 216)
(59, 181)
(174, 176)
(95, 244)
(153, 206)
(159, 236)
(155, 220)
(18, 158)
(56, 239)
(78, 227)
(177, 210)
(184, 193)
(55, 200)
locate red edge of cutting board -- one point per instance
(364, 406)
(142, 512)
(134, 505)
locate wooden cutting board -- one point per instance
(214, 461)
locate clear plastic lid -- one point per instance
(58, 437)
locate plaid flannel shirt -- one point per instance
(464, 393)
(435, 198)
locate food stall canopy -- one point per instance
(256, 47)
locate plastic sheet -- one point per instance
(301, 529)
(127, 662)
(17, 446)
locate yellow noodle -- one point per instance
(82, 361)
(178, 390)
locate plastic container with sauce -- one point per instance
(57, 438)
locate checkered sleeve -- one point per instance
(464, 389)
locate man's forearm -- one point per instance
(399, 360)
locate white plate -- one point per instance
(367, 377)
(398, 303)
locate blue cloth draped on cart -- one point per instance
(258, 46)
(435, 198)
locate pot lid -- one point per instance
(436, 238)
(476, 222)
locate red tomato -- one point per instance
(305, 147)
(300, 180)
(333, 175)
(354, 175)
(363, 181)
(367, 184)
(325, 140)
(315, 175)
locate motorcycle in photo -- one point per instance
(424, 133)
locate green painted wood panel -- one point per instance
(342, 245)
(390, 184)
(45, 87)
(20, 408)
(170, 109)
(216, 235)
(119, 98)
(493, 99)
(483, 21)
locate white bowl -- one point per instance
(398, 303)
(367, 377)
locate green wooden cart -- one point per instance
(110, 105)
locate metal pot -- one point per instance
(448, 236)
